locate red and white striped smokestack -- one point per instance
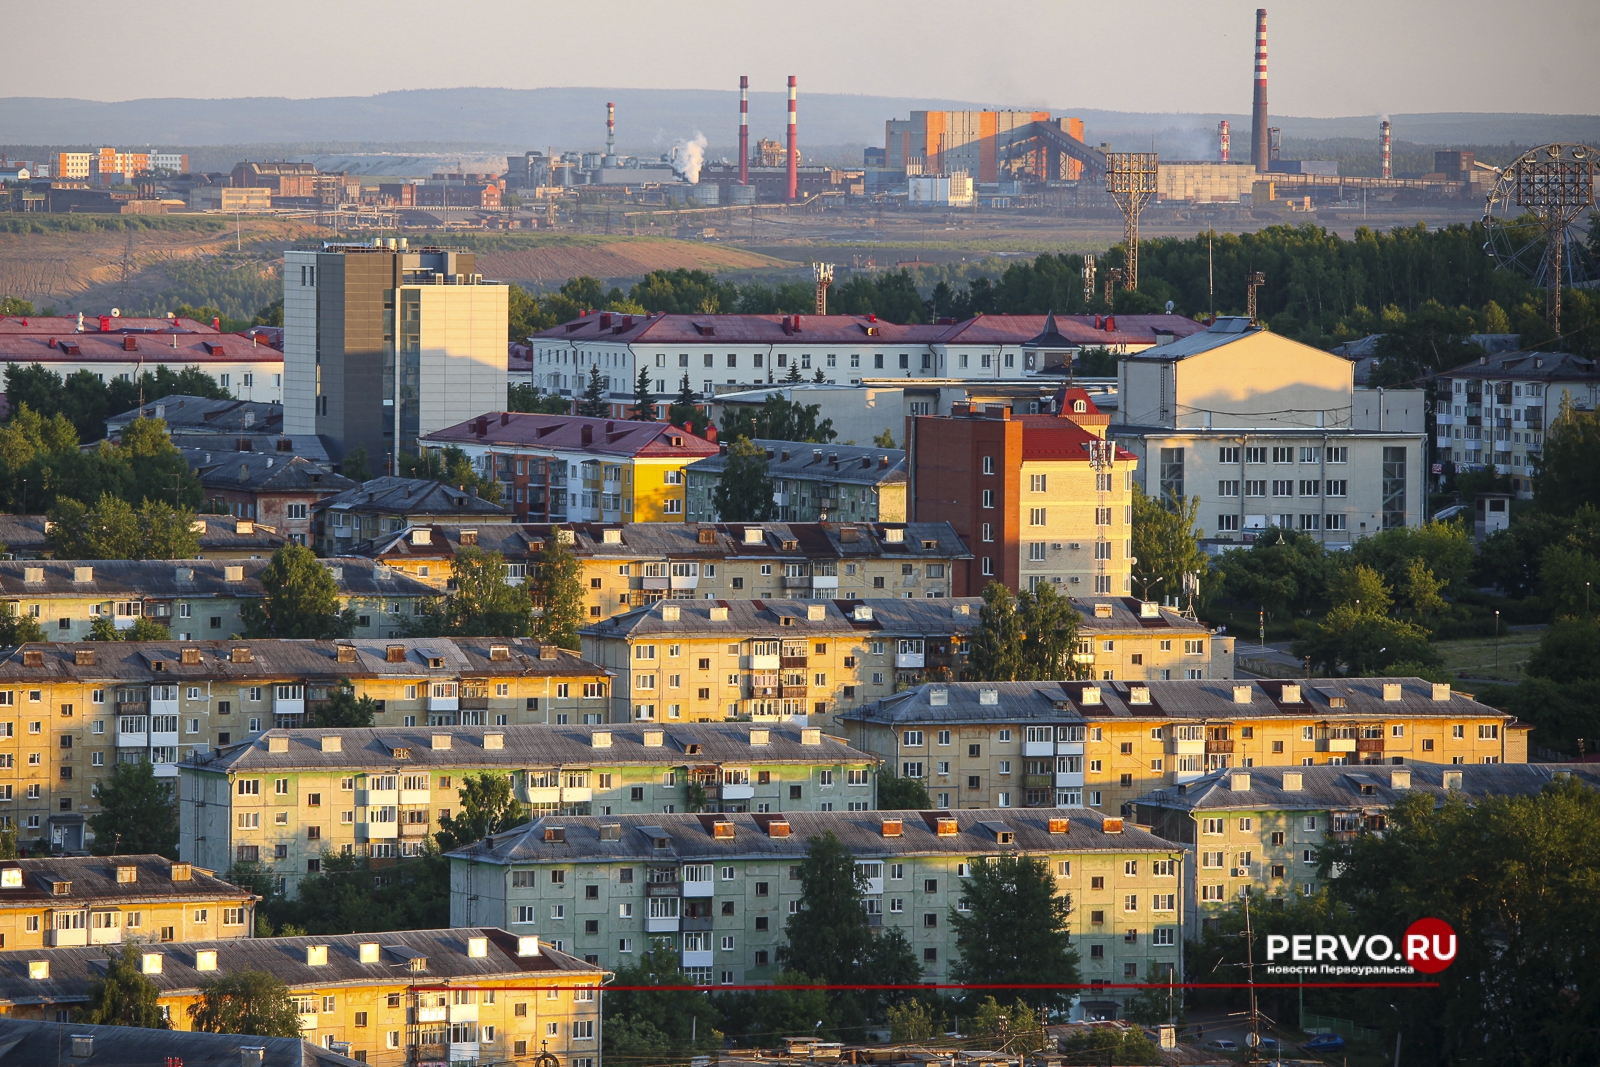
(1383, 138)
(1224, 142)
(611, 129)
(794, 151)
(744, 129)
(1258, 111)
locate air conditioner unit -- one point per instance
(1055, 546)
(1073, 546)
(1075, 579)
(1233, 872)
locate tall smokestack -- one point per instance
(1224, 142)
(1383, 139)
(1258, 112)
(744, 129)
(794, 151)
(611, 131)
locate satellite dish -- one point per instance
(1170, 306)
(116, 313)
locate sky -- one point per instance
(1354, 57)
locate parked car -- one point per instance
(1324, 1043)
(1222, 1044)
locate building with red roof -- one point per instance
(568, 468)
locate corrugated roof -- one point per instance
(852, 464)
(1528, 366)
(73, 969)
(529, 746)
(409, 496)
(261, 472)
(1323, 787)
(205, 415)
(194, 578)
(548, 433)
(24, 536)
(153, 349)
(30, 1041)
(94, 880)
(666, 329)
(66, 325)
(689, 837)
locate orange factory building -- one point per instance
(978, 143)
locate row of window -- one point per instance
(1283, 454)
(1308, 487)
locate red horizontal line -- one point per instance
(957, 985)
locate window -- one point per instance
(988, 498)
(1228, 454)
(1228, 487)
(1036, 483)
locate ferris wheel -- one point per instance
(1536, 217)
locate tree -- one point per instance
(143, 629)
(910, 1021)
(1097, 1044)
(301, 599)
(1165, 545)
(1029, 637)
(1003, 895)
(1015, 1029)
(644, 398)
(556, 589)
(885, 439)
(1360, 589)
(996, 642)
(342, 708)
(112, 529)
(453, 467)
(744, 491)
(901, 794)
(245, 1002)
(646, 1020)
(1363, 642)
(138, 813)
(485, 604)
(793, 377)
(521, 397)
(595, 403)
(343, 898)
(777, 419)
(830, 931)
(1509, 874)
(18, 629)
(1568, 476)
(122, 995)
(1285, 573)
(685, 412)
(355, 465)
(487, 807)
(1153, 1005)
(757, 1018)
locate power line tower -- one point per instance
(1256, 281)
(1131, 181)
(125, 271)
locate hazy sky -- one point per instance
(1353, 57)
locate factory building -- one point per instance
(983, 144)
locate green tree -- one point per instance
(596, 402)
(1419, 595)
(485, 604)
(777, 419)
(1284, 573)
(121, 995)
(245, 1002)
(1015, 1028)
(342, 898)
(831, 931)
(301, 599)
(521, 397)
(8, 842)
(342, 708)
(1029, 637)
(102, 628)
(885, 439)
(685, 412)
(1568, 574)
(685, 292)
(758, 1018)
(1510, 875)
(1005, 894)
(1360, 589)
(14, 307)
(556, 589)
(1348, 641)
(643, 1020)
(109, 530)
(356, 465)
(744, 491)
(996, 643)
(487, 807)
(644, 398)
(910, 1021)
(156, 468)
(453, 467)
(271, 315)
(1568, 476)
(1165, 545)
(901, 794)
(793, 377)
(138, 813)
(1153, 1005)
(18, 629)
(1104, 1044)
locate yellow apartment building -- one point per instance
(642, 562)
(194, 598)
(1104, 744)
(60, 901)
(569, 468)
(289, 798)
(162, 701)
(397, 998)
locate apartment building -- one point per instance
(288, 798)
(1495, 411)
(383, 344)
(120, 349)
(58, 901)
(639, 563)
(195, 598)
(37, 1041)
(388, 504)
(160, 701)
(568, 468)
(1104, 744)
(844, 483)
(1261, 829)
(395, 998)
(1268, 432)
(275, 490)
(1040, 499)
(717, 889)
(221, 537)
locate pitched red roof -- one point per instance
(620, 437)
(1055, 438)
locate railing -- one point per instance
(792, 661)
(1369, 744)
(474, 703)
(662, 889)
(1219, 746)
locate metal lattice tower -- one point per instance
(1131, 181)
(1554, 184)
(1088, 279)
(824, 276)
(1255, 281)
(1113, 279)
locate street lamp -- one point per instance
(1497, 641)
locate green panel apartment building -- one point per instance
(716, 890)
(288, 798)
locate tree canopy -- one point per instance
(121, 995)
(1165, 545)
(138, 813)
(301, 599)
(1002, 896)
(1031, 636)
(777, 419)
(113, 529)
(743, 493)
(484, 604)
(245, 1002)
(488, 806)
(556, 589)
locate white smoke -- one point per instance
(689, 156)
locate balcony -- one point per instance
(129, 739)
(576, 794)
(697, 959)
(910, 660)
(662, 889)
(824, 581)
(1038, 781)
(377, 798)
(1069, 748)
(1340, 744)
(542, 794)
(742, 791)
(766, 663)
(413, 829)
(797, 662)
(463, 1013)
(66, 938)
(414, 798)
(656, 583)
(381, 831)
(429, 1015)
(698, 922)
(105, 935)
(797, 581)
(661, 925)
(474, 703)
(1069, 779)
(450, 703)
(164, 738)
(1218, 746)
(1038, 748)
(308, 1020)
(684, 581)
(1186, 748)
(133, 707)
(699, 889)
(1369, 744)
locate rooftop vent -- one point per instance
(278, 743)
(895, 535)
(1111, 826)
(33, 657)
(816, 612)
(83, 574)
(1102, 611)
(528, 945)
(1060, 825)
(233, 574)
(861, 613)
(945, 825)
(33, 574)
(778, 828)
(670, 613)
(1138, 694)
(892, 827)
(706, 536)
(39, 970)
(754, 535)
(989, 696)
(960, 611)
(719, 614)
(1239, 781)
(499, 653)
(241, 655)
(611, 537)
(439, 742)
(1452, 780)
(722, 830)
(654, 738)
(477, 947)
(1241, 694)
(395, 653)
(1392, 691)
(1090, 694)
(182, 872)
(205, 959)
(1149, 609)
(1400, 778)
(759, 736)
(938, 696)
(127, 874)
(1292, 781)
(369, 952)
(316, 955)
(610, 831)
(1289, 694)
(421, 535)
(332, 743)
(810, 735)
(1441, 690)
(345, 653)
(600, 739)
(150, 962)
(556, 834)
(491, 741)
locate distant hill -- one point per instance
(648, 121)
